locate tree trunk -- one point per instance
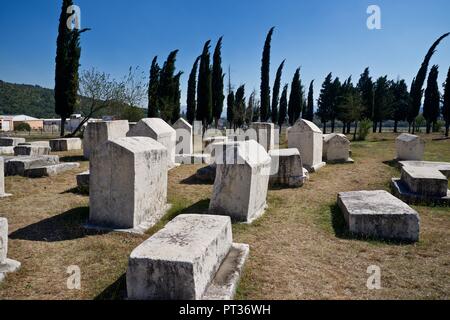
(62, 128)
(333, 124)
(395, 126)
(349, 127)
(375, 126)
(354, 132)
(447, 128)
(344, 127)
(380, 130)
(324, 128)
(413, 127)
(428, 127)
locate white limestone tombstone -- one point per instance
(287, 168)
(6, 265)
(265, 134)
(184, 132)
(307, 138)
(128, 184)
(336, 148)
(65, 144)
(410, 147)
(242, 180)
(160, 131)
(11, 142)
(2, 179)
(97, 133)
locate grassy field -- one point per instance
(299, 248)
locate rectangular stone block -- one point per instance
(3, 240)
(10, 142)
(378, 214)
(336, 148)
(6, 150)
(265, 133)
(2, 176)
(29, 150)
(443, 167)
(66, 144)
(286, 168)
(18, 165)
(128, 183)
(83, 181)
(97, 133)
(425, 181)
(49, 171)
(242, 180)
(180, 261)
(409, 147)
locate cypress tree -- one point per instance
(432, 99)
(295, 99)
(336, 92)
(382, 102)
(309, 112)
(366, 88)
(418, 82)
(153, 84)
(400, 102)
(283, 107)
(265, 78)
(176, 98)
(204, 89)
(217, 83)
(325, 101)
(276, 93)
(167, 88)
(230, 109)
(191, 93)
(446, 106)
(239, 107)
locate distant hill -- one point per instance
(33, 101)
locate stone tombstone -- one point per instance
(97, 133)
(2, 177)
(378, 214)
(307, 138)
(287, 168)
(128, 183)
(265, 133)
(180, 261)
(65, 144)
(336, 148)
(158, 130)
(31, 150)
(184, 132)
(11, 142)
(3, 240)
(409, 147)
(242, 180)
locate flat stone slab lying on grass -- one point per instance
(181, 261)
(378, 214)
(65, 144)
(443, 167)
(11, 142)
(31, 150)
(51, 170)
(192, 158)
(2, 179)
(6, 265)
(401, 191)
(6, 150)
(425, 181)
(287, 168)
(17, 165)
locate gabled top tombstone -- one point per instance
(184, 132)
(410, 147)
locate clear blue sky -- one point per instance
(320, 36)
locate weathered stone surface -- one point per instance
(184, 132)
(425, 181)
(2, 179)
(287, 133)
(66, 144)
(287, 168)
(209, 141)
(160, 131)
(192, 158)
(6, 265)
(402, 191)
(265, 133)
(443, 167)
(18, 165)
(336, 148)
(36, 143)
(83, 181)
(10, 142)
(97, 133)
(31, 150)
(307, 138)
(128, 183)
(410, 147)
(242, 179)
(180, 261)
(379, 214)
(51, 170)
(6, 150)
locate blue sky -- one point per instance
(320, 36)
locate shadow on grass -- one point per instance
(392, 163)
(342, 232)
(116, 291)
(77, 191)
(193, 180)
(63, 227)
(72, 159)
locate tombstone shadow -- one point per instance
(62, 227)
(116, 291)
(72, 159)
(392, 163)
(200, 207)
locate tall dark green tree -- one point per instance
(265, 78)
(366, 88)
(418, 82)
(176, 98)
(382, 102)
(325, 102)
(167, 89)
(239, 107)
(191, 100)
(345, 104)
(431, 105)
(309, 111)
(283, 107)
(336, 93)
(400, 102)
(230, 109)
(153, 84)
(276, 93)
(217, 83)
(446, 105)
(204, 88)
(295, 99)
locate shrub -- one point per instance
(23, 127)
(364, 129)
